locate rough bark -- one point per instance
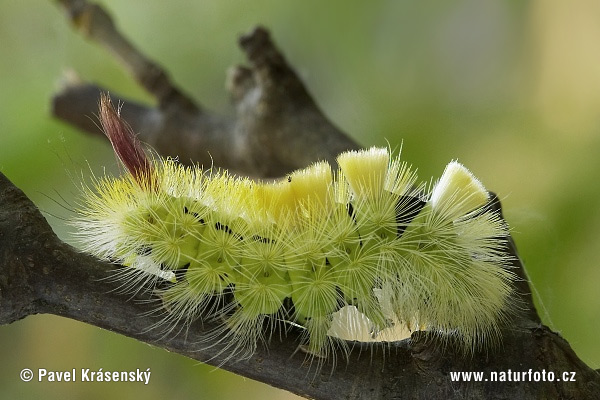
(277, 127)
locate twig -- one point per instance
(275, 115)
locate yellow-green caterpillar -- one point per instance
(363, 249)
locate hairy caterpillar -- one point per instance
(361, 249)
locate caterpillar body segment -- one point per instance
(362, 253)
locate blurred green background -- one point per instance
(510, 88)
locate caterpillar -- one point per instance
(364, 252)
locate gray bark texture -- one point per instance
(277, 128)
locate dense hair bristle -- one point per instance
(365, 253)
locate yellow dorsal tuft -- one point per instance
(277, 199)
(312, 184)
(365, 170)
(458, 192)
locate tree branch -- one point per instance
(275, 116)
(277, 127)
(40, 274)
